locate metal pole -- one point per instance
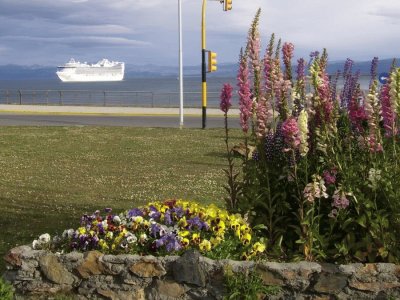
(203, 65)
(180, 66)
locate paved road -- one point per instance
(37, 119)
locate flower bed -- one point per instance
(160, 228)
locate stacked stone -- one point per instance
(38, 274)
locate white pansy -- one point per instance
(35, 245)
(44, 238)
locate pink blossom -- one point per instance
(290, 131)
(262, 115)
(226, 96)
(339, 199)
(357, 113)
(373, 145)
(287, 50)
(245, 101)
(330, 176)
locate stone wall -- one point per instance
(38, 274)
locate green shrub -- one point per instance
(6, 290)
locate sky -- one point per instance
(140, 32)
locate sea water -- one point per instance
(161, 91)
(147, 92)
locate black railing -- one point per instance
(105, 98)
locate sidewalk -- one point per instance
(102, 110)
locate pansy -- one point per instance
(205, 245)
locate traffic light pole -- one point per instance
(203, 65)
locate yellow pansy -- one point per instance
(182, 222)
(183, 233)
(244, 228)
(258, 247)
(82, 230)
(246, 238)
(205, 245)
(196, 238)
(185, 242)
(138, 219)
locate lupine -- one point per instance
(226, 96)
(374, 66)
(333, 86)
(287, 51)
(300, 87)
(302, 124)
(245, 101)
(388, 114)
(346, 94)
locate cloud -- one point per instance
(79, 41)
(147, 30)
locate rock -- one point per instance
(54, 271)
(148, 267)
(13, 257)
(330, 283)
(373, 286)
(90, 265)
(163, 290)
(330, 280)
(72, 260)
(268, 277)
(122, 295)
(294, 275)
(187, 269)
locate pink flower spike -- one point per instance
(226, 96)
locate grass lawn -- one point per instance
(50, 176)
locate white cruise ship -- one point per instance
(104, 70)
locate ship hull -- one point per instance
(87, 73)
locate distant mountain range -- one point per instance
(13, 72)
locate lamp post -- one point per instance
(180, 66)
(227, 5)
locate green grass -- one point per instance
(50, 176)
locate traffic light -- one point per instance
(227, 5)
(212, 61)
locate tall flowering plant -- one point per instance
(324, 176)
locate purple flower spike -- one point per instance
(226, 96)
(374, 66)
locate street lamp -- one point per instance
(180, 66)
(227, 5)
